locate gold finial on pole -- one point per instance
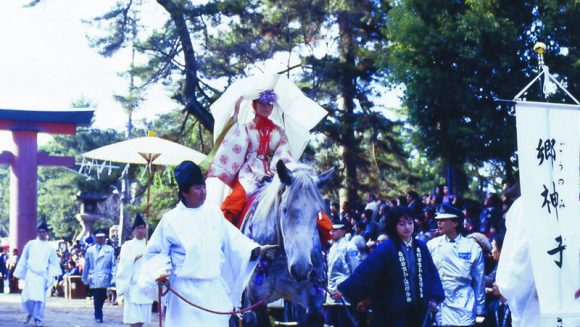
(540, 48)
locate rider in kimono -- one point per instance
(137, 304)
(459, 261)
(247, 157)
(37, 268)
(203, 257)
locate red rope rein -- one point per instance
(252, 307)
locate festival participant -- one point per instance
(247, 157)
(459, 261)
(399, 276)
(515, 276)
(36, 270)
(137, 304)
(205, 259)
(99, 271)
(343, 258)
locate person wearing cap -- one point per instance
(99, 271)
(204, 258)
(36, 270)
(459, 261)
(247, 157)
(137, 303)
(343, 258)
(398, 276)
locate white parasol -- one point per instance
(148, 150)
(293, 111)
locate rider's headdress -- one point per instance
(267, 97)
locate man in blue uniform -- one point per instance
(100, 267)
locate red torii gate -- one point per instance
(24, 159)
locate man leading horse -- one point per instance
(204, 258)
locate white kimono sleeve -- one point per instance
(156, 259)
(54, 269)
(237, 269)
(125, 270)
(22, 265)
(515, 278)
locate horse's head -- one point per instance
(299, 208)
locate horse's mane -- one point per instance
(305, 182)
(263, 222)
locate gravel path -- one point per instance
(61, 312)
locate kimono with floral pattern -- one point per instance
(237, 157)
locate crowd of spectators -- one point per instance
(366, 227)
(482, 220)
(72, 262)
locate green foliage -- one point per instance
(57, 187)
(456, 58)
(57, 203)
(331, 50)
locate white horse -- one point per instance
(285, 214)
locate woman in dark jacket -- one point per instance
(398, 276)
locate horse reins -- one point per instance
(344, 306)
(161, 293)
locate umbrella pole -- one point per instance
(149, 179)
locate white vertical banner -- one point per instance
(549, 161)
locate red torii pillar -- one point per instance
(24, 160)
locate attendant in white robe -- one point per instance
(37, 269)
(205, 258)
(137, 303)
(515, 277)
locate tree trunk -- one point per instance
(347, 86)
(191, 82)
(456, 178)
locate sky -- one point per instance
(46, 62)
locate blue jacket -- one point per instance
(100, 267)
(380, 278)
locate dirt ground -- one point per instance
(61, 312)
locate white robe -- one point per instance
(515, 277)
(208, 260)
(38, 266)
(137, 304)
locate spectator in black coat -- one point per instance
(415, 206)
(399, 276)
